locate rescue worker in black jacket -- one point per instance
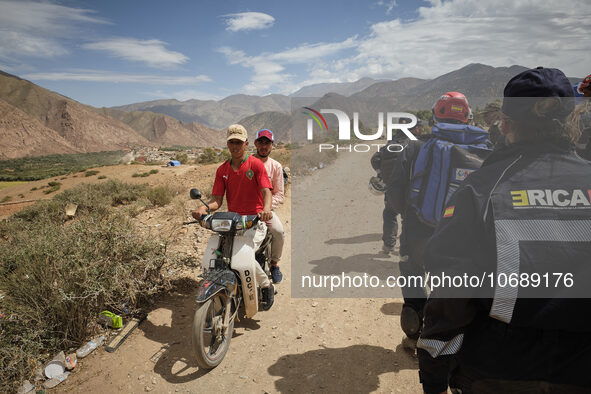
(527, 211)
(450, 108)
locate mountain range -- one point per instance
(216, 114)
(35, 121)
(343, 88)
(480, 83)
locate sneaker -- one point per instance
(411, 322)
(268, 297)
(276, 274)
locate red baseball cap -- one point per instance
(266, 134)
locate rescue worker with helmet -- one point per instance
(450, 108)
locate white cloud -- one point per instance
(448, 35)
(269, 67)
(388, 4)
(248, 21)
(104, 76)
(32, 28)
(307, 52)
(184, 95)
(16, 68)
(151, 52)
(22, 43)
(445, 36)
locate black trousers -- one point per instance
(414, 237)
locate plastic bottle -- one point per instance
(89, 347)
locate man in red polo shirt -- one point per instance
(244, 181)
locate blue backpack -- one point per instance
(443, 162)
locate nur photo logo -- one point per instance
(344, 124)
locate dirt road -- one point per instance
(301, 345)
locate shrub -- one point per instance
(138, 175)
(53, 187)
(33, 189)
(102, 177)
(208, 156)
(56, 278)
(91, 173)
(136, 207)
(154, 171)
(160, 196)
(6, 199)
(89, 198)
(110, 193)
(224, 155)
(182, 157)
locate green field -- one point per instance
(4, 185)
(34, 168)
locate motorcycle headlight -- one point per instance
(205, 222)
(221, 225)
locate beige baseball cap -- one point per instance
(237, 132)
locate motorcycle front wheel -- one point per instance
(210, 341)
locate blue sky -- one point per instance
(107, 53)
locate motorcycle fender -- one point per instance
(243, 262)
(216, 282)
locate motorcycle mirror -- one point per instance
(195, 194)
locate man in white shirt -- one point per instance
(264, 144)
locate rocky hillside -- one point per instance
(23, 135)
(37, 122)
(78, 124)
(165, 130)
(278, 122)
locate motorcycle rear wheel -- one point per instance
(209, 343)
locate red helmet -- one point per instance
(451, 107)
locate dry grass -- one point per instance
(56, 275)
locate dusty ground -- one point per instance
(301, 345)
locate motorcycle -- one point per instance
(229, 290)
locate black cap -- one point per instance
(524, 90)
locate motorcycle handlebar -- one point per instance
(254, 221)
